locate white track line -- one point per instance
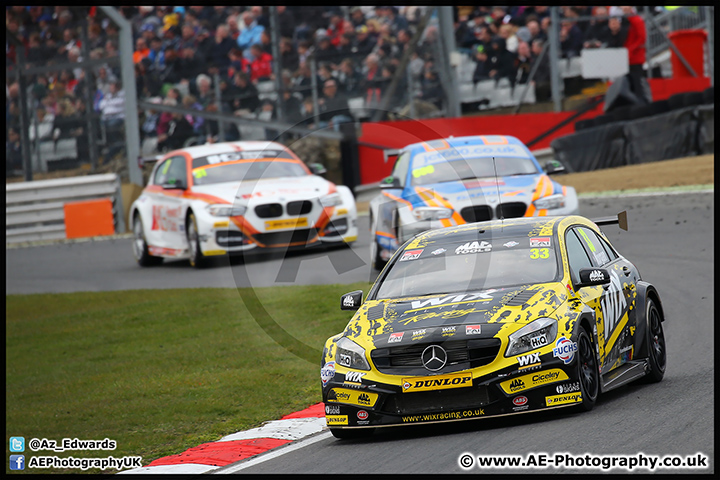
(274, 453)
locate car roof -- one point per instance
(511, 227)
(454, 142)
(225, 147)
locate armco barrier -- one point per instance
(683, 132)
(37, 210)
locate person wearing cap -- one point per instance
(363, 44)
(324, 51)
(481, 65)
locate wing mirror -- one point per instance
(554, 167)
(351, 301)
(317, 169)
(174, 184)
(390, 182)
(593, 276)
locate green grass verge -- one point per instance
(160, 371)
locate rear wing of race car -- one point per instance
(620, 220)
(391, 152)
(148, 160)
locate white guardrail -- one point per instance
(36, 210)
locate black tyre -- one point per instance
(377, 262)
(197, 259)
(657, 354)
(140, 248)
(587, 370)
(351, 434)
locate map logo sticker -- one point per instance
(411, 254)
(395, 337)
(539, 242)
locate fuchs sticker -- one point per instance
(411, 254)
(472, 329)
(539, 242)
(520, 401)
(362, 415)
(565, 350)
(510, 244)
(439, 251)
(327, 372)
(473, 247)
(395, 337)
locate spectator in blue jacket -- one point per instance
(251, 34)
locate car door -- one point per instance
(167, 229)
(619, 317)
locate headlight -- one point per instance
(351, 355)
(432, 213)
(534, 335)
(550, 202)
(331, 200)
(226, 210)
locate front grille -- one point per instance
(437, 400)
(511, 210)
(269, 210)
(461, 354)
(299, 207)
(477, 213)
(286, 237)
(229, 238)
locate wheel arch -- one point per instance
(645, 291)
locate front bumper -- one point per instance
(227, 236)
(368, 404)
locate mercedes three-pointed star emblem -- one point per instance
(434, 358)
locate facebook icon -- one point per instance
(17, 462)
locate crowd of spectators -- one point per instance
(181, 52)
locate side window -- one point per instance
(593, 243)
(401, 167)
(170, 171)
(577, 257)
(612, 255)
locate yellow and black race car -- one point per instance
(493, 318)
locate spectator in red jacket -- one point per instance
(260, 64)
(635, 44)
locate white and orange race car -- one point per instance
(233, 197)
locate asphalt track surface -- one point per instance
(671, 241)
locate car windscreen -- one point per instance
(239, 155)
(470, 266)
(471, 168)
(244, 170)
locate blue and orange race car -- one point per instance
(452, 181)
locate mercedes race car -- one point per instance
(460, 180)
(489, 319)
(237, 196)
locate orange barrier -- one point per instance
(89, 218)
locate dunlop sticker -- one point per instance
(563, 399)
(289, 223)
(419, 384)
(336, 419)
